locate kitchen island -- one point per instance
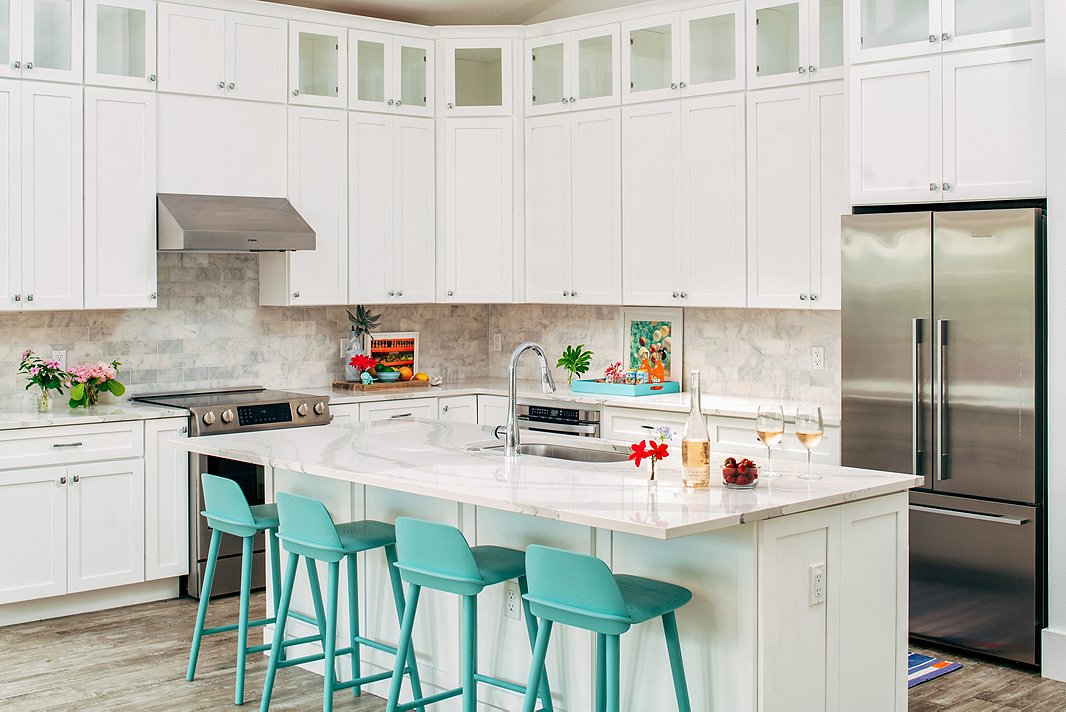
(800, 586)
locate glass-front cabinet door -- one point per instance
(652, 59)
(367, 53)
(120, 43)
(712, 53)
(778, 35)
(594, 59)
(548, 83)
(10, 38)
(968, 24)
(41, 39)
(390, 74)
(318, 61)
(412, 60)
(477, 77)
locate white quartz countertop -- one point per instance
(737, 407)
(438, 459)
(15, 417)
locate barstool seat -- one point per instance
(265, 516)
(648, 598)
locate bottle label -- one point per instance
(696, 460)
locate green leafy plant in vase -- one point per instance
(45, 374)
(363, 322)
(575, 361)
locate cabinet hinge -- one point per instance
(534, 57)
(861, 40)
(756, 22)
(631, 85)
(630, 41)
(534, 98)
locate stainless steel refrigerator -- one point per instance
(943, 353)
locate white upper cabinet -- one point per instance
(52, 228)
(576, 70)
(478, 242)
(957, 127)
(796, 195)
(392, 223)
(795, 42)
(698, 51)
(573, 208)
(478, 77)
(890, 29)
(318, 65)
(120, 190)
(41, 39)
(120, 43)
(318, 189)
(10, 195)
(216, 53)
(389, 73)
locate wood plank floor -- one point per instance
(134, 659)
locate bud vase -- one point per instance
(44, 402)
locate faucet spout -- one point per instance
(547, 383)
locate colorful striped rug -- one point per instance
(923, 668)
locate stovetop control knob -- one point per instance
(209, 418)
(227, 416)
(302, 409)
(320, 408)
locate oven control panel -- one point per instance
(264, 414)
(249, 417)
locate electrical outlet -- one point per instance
(817, 358)
(60, 356)
(512, 604)
(817, 576)
(497, 342)
(344, 346)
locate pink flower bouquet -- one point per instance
(46, 374)
(89, 379)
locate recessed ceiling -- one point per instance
(466, 12)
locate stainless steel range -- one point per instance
(233, 410)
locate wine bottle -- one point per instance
(696, 442)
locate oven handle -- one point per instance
(547, 426)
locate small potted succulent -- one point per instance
(363, 321)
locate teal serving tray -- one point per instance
(623, 389)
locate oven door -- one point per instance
(227, 579)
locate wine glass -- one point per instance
(770, 427)
(809, 432)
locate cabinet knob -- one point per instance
(812, 69)
(153, 296)
(390, 102)
(399, 103)
(399, 294)
(451, 105)
(933, 187)
(814, 297)
(29, 297)
(675, 295)
(673, 85)
(392, 294)
(803, 297)
(222, 85)
(573, 294)
(947, 186)
(566, 100)
(295, 295)
(151, 77)
(62, 480)
(932, 38)
(684, 295)
(451, 293)
(802, 70)
(945, 36)
(445, 408)
(566, 294)
(573, 100)
(184, 429)
(29, 65)
(231, 86)
(296, 92)
(683, 84)
(16, 64)
(18, 297)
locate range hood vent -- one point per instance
(221, 223)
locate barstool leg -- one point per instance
(205, 595)
(614, 686)
(242, 621)
(329, 645)
(403, 647)
(282, 616)
(275, 566)
(536, 668)
(469, 653)
(353, 620)
(397, 597)
(531, 629)
(316, 595)
(677, 665)
(601, 672)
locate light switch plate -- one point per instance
(497, 342)
(817, 579)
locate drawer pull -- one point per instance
(67, 444)
(401, 415)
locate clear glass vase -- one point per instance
(355, 348)
(44, 402)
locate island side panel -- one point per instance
(717, 628)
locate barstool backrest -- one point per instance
(225, 506)
(307, 529)
(436, 556)
(574, 589)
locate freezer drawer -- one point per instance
(976, 575)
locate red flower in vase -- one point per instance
(639, 452)
(362, 362)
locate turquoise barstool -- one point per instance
(437, 556)
(580, 591)
(307, 530)
(227, 512)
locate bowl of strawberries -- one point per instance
(743, 474)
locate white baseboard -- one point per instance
(1053, 654)
(87, 601)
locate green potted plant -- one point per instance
(575, 361)
(363, 322)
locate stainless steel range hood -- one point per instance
(222, 223)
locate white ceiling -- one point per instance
(466, 12)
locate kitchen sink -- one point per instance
(606, 453)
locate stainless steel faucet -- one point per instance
(511, 442)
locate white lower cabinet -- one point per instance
(796, 195)
(633, 425)
(344, 413)
(967, 126)
(120, 197)
(399, 410)
(166, 497)
(105, 534)
(33, 523)
(458, 409)
(492, 410)
(318, 189)
(478, 212)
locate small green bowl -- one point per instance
(388, 376)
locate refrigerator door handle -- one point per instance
(970, 515)
(940, 455)
(917, 455)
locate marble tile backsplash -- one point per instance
(209, 331)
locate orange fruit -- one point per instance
(406, 374)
